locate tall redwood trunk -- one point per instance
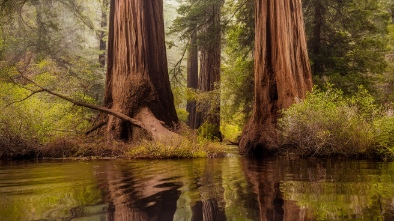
(192, 80)
(282, 70)
(209, 79)
(137, 81)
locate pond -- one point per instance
(232, 188)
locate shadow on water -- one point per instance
(204, 189)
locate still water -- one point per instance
(232, 188)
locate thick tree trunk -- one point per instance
(282, 70)
(192, 80)
(209, 79)
(137, 83)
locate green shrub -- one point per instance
(210, 131)
(326, 123)
(384, 137)
(182, 114)
(28, 120)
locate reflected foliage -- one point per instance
(48, 191)
(202, 189)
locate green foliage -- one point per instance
(180, 148)
(350, 38)
(384, 128)
(44, 197)
(180, 94)
(37, 118)
(36, 42)
(193, 16)
(209, 131)
(231, 132)
(327, 123)
(41, 117)
(385, 82)
(182, 114)
(238, 67)
(347, 41)
(338, 190)
(208, 101)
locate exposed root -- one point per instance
(154, 126)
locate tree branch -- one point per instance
(122, 116)
(32, 93)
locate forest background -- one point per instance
(61, 45)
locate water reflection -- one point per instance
(164, 190)
(266, 177)
(204, 189)
(135, 192)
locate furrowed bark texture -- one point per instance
(192, 80)
(282, 70)
(210, 52)
(137, 77)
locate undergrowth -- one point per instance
(187, 145)
(182, 148)
(327, 123)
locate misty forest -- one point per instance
(196, 109)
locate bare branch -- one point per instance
(122, 116)
(30, 95)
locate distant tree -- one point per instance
(237, 75)
(210, 60)
(282, 70)
(137, 82)
(102, 33)
(346, 40)
(43, 27)
(192, 74)
(199, 22)
(56, 32)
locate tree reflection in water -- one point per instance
(207, 189)
(265, 177)
(135, 196)
(232, 188)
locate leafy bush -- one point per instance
(326, 123)
(209, 131)
(384, 136)
(29, 119)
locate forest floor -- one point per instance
(88, 148)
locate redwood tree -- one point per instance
(192, 80)
(282, 70)
(210, 53)
(137, 82)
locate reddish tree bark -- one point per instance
(192, 80)
(209, 78)
(137, 82)
(282, 70)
